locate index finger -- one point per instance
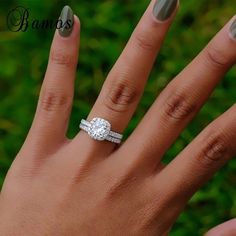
(201, 159)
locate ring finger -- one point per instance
(125, 83)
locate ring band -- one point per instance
(100, 129)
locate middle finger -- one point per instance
(182, 99)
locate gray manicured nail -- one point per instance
(233, 29)
(163, 9)
(66, 21)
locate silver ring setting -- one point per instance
(100, 129)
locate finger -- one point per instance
(182, 99)
(125, 83)
(226, 229)
(200, 160)
(55, 100)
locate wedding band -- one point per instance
(100, 129)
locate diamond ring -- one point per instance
(100, 129)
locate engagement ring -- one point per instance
(100, 129)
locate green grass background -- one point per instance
(106, 26)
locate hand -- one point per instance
(57, 186)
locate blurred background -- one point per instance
(106, 26)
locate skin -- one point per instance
(58, 186)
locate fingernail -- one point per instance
(233, 29)
(163, 9)
(66, 21)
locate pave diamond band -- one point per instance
(100, 129)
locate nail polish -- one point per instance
(233, 29)
(66, 21)
(163, 9)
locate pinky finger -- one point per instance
(56, 96)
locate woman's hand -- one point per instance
(82, 186)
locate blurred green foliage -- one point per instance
(106, 26)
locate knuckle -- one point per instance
(118, 185)
(121, 96)
(215, 57)
(54, 100)
(114, 189)
(179, 106)
(144, 42)
(60, 57)
(216, 147)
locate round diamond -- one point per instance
(99, 129)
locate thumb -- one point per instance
(226, 229)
